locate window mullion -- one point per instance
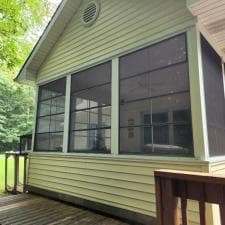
(197, 93)
(35, 121)
(115, 107)
(67, 114)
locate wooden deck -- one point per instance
(27, 209)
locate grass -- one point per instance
(10, 172)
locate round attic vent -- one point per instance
(90, 13)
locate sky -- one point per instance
(55, 2)
(53, 6)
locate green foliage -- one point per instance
(16, 111)
(21, 22)
(17, 19)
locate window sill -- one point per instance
(144, 158)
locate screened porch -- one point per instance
(153, 112)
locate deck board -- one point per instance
(27, 209)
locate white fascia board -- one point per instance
(26, 77)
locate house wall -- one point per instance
(126, 183)
(121, 26)
(120, 181)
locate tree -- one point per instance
(16, 112)
(20, 21)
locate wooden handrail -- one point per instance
(202, 187)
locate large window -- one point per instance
(50, 116)
(90, 110)
(155, 115)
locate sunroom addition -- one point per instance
(139, 89)
(154, 105)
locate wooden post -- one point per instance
(222, 214)
(167, 203)
(202, 212)
(170, 203)
(16, 172)
(184, 210)
(6, 172)
(159, 209)
(25, 174)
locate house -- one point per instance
(124, 88)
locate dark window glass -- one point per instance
(50, 116)
(42, 142)
(56, 141)
(92, 97)
(53, 89)
(181, 115)
(160, 55)
(160, 118)
(91, 140)
(57, 123)
(131, 114)
(92, 77)
(91, 118)
(90, 112)
(157, 133)
(168, 52)
(214, 99)
(44, 108)
(29, 143)
(131, 138)
(155, 100)
(182, 135)
(161, 82)
(43, 124)
(160, 135)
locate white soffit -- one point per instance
(48, 39)
(211, 20)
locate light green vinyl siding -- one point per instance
(123, 183)
(121, 27)
(191, 2)
(216, 168)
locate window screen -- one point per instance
(90, 111)
(50, 116)
(214, 99)
(155, 115)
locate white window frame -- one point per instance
(115, 107)
(67, 115)
(197, 93)
(39, 84)
(198, 112)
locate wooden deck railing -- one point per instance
(16, 173)
(172, 185)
